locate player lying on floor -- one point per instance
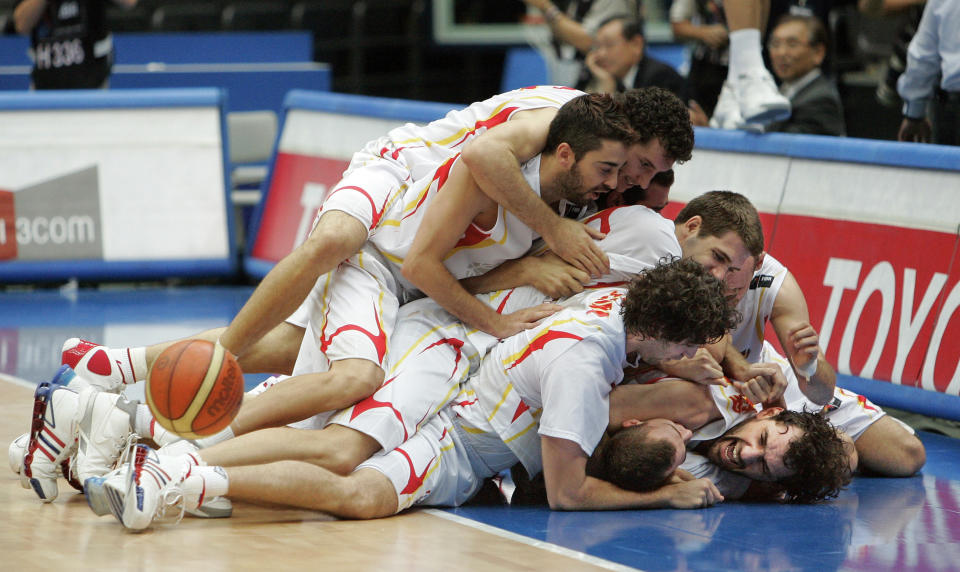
(720, 229)
(796, 456)
(539, 397)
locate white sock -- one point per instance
(220, 437)
(215, 480)
(138, 358)
(146, 425)
(746, 53)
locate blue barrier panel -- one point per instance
(213, 47)
(114, 185)
(250, 86)
(902, 397)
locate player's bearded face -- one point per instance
(570, 185)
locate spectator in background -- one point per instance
(703, 22)
(70, 43)
(574, 24)
(618, 61)
(798, 46)
(934, 53)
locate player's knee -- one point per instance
(369, 497)
(358, 379)
(344, 451)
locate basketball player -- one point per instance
(539, 397)
(885, 446)
(352, 310)
(720, 230)
(358, 374)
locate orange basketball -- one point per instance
(195, 388)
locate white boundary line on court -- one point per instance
(549, 547)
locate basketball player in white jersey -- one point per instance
(885, 446)
(539, 397)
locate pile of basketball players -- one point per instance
(494, 291)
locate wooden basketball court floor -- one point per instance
(877, 524)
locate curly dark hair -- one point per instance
(725, 211)
(819, 458)
(655, 113)
(678, 301)
(587, 121)
(631, 461)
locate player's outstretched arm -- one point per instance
(494, 160)
(336, 237)
(791, 322)
(546, 272)
(569, 487)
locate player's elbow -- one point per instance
(476, 150)
(565, 499)
(913, 458)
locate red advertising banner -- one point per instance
(8, 229)
(298, 185)
(883, 298)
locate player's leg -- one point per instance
(303, 396)
(363, 494)
(113, 368)
(336, 448)
(352, 315)
(889, 449)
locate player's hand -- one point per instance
(765, 383)
(524, 319)
(549, 274)
(804, 347)
(698, 493)
(701, 368)
(574, 242)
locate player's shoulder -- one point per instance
(596, 308)
(770, 274)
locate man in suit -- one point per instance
(618, 61)
(797, 48)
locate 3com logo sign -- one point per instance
(53, 220)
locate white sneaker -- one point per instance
(726, 114)
(105, 494)
(760, 100)
(156, 482)
(214, 507)
(107, 368)
(16, 451)
(53, 435)
(105, 431)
